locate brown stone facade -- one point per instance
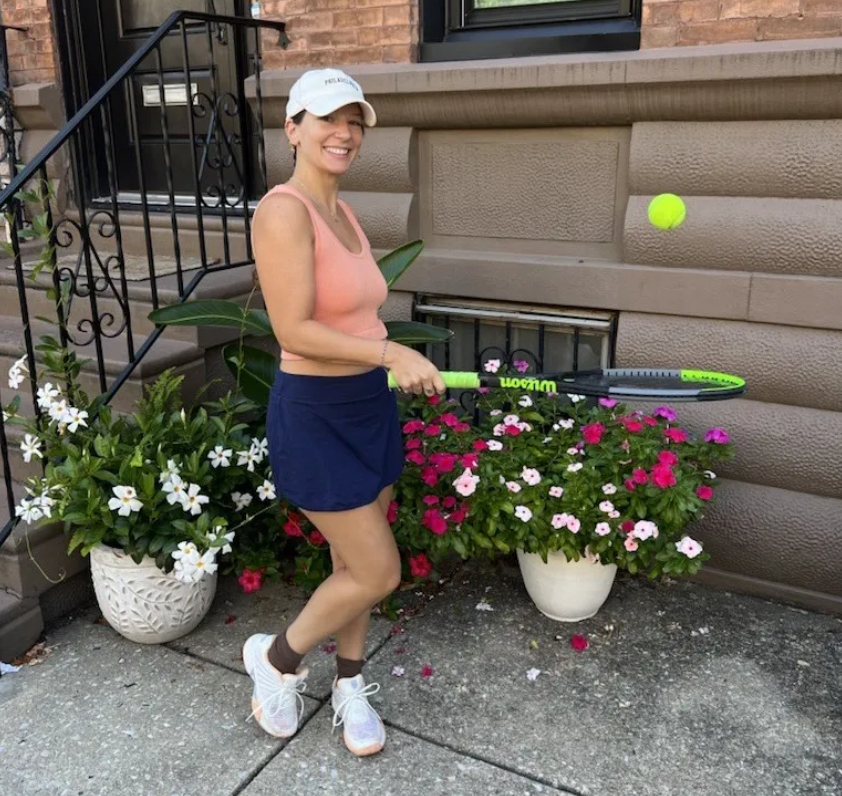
(481, 162)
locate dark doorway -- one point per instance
(104, 35)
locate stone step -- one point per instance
(234, 284)
(185, 358)
(21, 624)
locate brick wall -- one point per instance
(31, 54)
(667, 23)
(337, 32)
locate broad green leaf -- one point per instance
(258, 373)
(393, 264)
(214, 312)
(412, 332)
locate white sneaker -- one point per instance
(275, 695)
(364, 733)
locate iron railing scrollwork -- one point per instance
(67, 209)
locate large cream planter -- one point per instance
(143, 603)
(567, 591)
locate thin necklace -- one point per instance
(334, 216)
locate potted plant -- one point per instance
(153, 496)
(581, 488)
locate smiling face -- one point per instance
(328, 143)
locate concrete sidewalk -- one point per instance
(682, 691)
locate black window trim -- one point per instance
(452, 30)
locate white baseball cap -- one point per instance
(322, 91)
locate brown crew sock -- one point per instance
(347, 668)
(283, 657)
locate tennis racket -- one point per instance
(657, 383)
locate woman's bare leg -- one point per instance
(350, 640)
(363, 540)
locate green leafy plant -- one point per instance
(256, 368)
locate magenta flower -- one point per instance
(704, 492)
(717, 435)
(608, 403)
(676, 435)
(521, 365)
(665, 412)
(593, 432)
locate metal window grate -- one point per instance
(550, 339)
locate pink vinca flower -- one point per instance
(443, 462)
(449, 502)
(466, 484)
(676, 435)
(521, 365)
(531, 476)
(492, 366)
(416, 457)
(608, 403)
(430, 500)
(559, 521)
(420, 566)
(450, 420)
(412, 444)
(602, 529)
(556, 491)
(718, 436)
(480, 445)
(665, 412)
(429, 476)
(704, 492)
(644, 529)
(592, 433)
(630, 544)
(413, 426)
(689, 547)
(573, 524)
(433, 520)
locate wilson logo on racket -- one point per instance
(543, 385)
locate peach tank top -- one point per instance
(350, 288)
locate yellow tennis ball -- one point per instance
(667, 211)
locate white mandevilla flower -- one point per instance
(241, 501)
(575, 398)
(573, 451)
(532, 674)
(556, 491)
(606, 506)
(575, 467)
(494, 445)
(259, 448)
(47, 394)
(229, 539)
(58, 410)
(29, 510)
(643, 529)
(546, 440)
(266, 491)
(31, 446)
(689, 547)
(183, 417)
(566, 424)
(174, 487)
(185, 550)
(74, 418)
(523, 513)
(513, 486)
(126, 500)
(192, 500)
(219, 457)
(466, 484)
(609, 489)
(247, 457)
(602, 529)
(192, 567)
(525, 402)
(171, 470)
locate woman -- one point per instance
(332, 424)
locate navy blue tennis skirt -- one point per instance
(334, 441)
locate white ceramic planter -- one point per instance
(143, 603)
(567, 591)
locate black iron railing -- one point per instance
(67, 208)
(10, 130)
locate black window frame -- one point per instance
(454, 30)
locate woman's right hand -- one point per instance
(413, 372)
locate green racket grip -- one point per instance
(453, 379)
(717, 381)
